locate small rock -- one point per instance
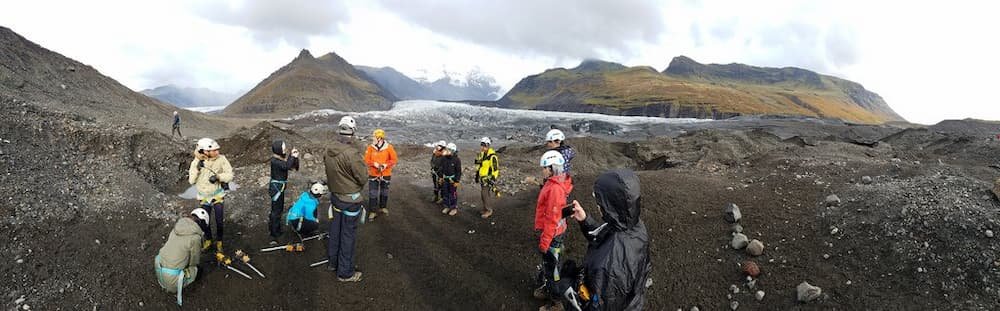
(19, 300)
(734, 305)
(737, 228)
(806, 292)
(20, 261)
(141, 304)
(26, 307)
(649, 281)
(848, 282)
(834, 231)
(755, 248)
(739, 241)
(97, 241)
(866, 180)
(832, 200)
(732, 213)
(472, 231)
(826, 256)
(734, 289)
(989, 233)
(759, 295)
(388, 255)
(695, 308)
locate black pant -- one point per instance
(341, 238)
(378, 191)
(437, 187)
(177, 129)
(277, 206)
(303, 226)
(216, 211)
(550, 266)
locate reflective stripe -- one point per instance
(167, 271)
(351, 214)
(280, 191)
(211, 197)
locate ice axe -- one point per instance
(246, 260)
(290, 246)
(317, 264)
(226, 261)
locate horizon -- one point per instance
(194, 44)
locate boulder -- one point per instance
(832, 200)
(739, 241)
(755, 248)
(807, 292)
(732, 213)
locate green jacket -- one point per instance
(182, 251)
(346, 172)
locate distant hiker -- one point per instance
(556, 140)
(436, 156)
(346, 174)
(380, 157)
(617, 264)
(211, 173)
(176, 265)
(449, 176)
(489, 171)
(550, 222)
(281, 163)
(302, 216)
(177, 125)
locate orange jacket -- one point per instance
(385, 155)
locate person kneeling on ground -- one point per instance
(176, 264)
(550, 221)
(617, 264)
(302, 215)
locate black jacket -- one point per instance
(617, 263)
(450, 168)
(279, 167)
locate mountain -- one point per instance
(189, 97)
(475, 85)
(693, 90)
(309, 83)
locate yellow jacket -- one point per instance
(489, 165)
(207, 191)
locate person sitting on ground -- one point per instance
(449, 176)
(346, 173)
(302, 216)
(617, 265)
(489, 172)
(436, 157)
(380, 157)
(176, 264)
(281, 163)
(211, 173)
(556, 140)
(551, 224)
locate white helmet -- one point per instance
(318, 188)
(441, 144)
(207, 144)
(200, 213)
(486, 140)
(452, 147)
(551, 158)
(347, 121)
(175, 113)
(555, 135)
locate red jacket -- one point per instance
(548, 212)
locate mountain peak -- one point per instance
(596, 65)
(304, 54)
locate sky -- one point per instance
(930, 61)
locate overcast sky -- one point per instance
(929, 61)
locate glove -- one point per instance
(213, 179)
(456, 184)
(295, 153)
(201, 163)
(440, 181)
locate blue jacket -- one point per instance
(305, 206)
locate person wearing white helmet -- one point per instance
(489, 172)
(176, 264)
(302, 216)
(211, 173)
(449, 177)
(551, 224)
(436, 156)
(176, 126)
(556, 140)
(347, 175)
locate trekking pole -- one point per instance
(246, 260)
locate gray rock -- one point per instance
(806, 292)
(755, 248)
(832, 200)
(759, 295)
(866, 180)
(734, 305)
(739, 241)
(737, 228)
(732, 213)
(19, 300)
(734, 289)
(989, 233)
(695, 308)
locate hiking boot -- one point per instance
(541, 293)
(331, 267)
(384, 211)
(354, 278)
(206, 245)
(445, 210)
(486, 214)
(371, 216)
(452, 212)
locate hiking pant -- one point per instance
(550, 266)
(378, 191)
(341, 238)
(276, 193)
(449, 194)
(486, 193)
(437, 187)
(177, 129)
(303, 227)
(215, 211)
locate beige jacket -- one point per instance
(182, 251)
(208, 191)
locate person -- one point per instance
(556, 140)
(346, 174)
(489, 171)
(302, 215)
(211, 173)
(380, 157)
(281, 163)
(449, 176)
(550, 223)
(436, 157)
(176, 264)
(617, 264)
(177, 125)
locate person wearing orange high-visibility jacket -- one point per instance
(380, 158)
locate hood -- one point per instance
(187, 226)
(618, 194)
(276, 147)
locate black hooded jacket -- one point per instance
(279, 167)
(617, 263)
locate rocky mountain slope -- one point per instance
(689, 89)
(309, 83)
(189, 96)
(475, 86)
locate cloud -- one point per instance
(574, 29)
(271, 22)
